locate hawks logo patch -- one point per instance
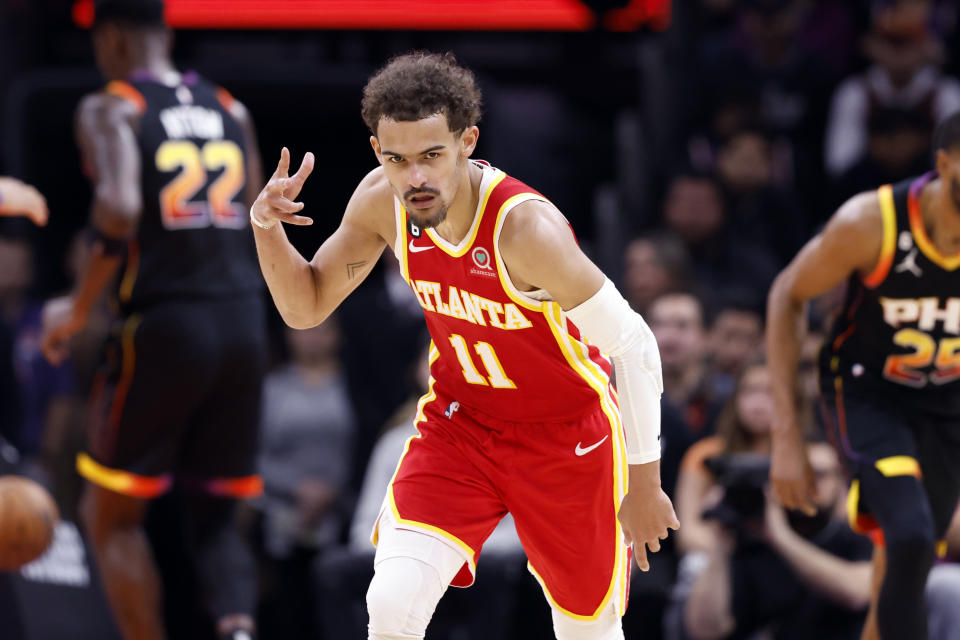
(414, 230)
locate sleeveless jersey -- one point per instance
(899, 331)
(496, 350)
(192, 240)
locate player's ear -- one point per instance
(942, 162)
(468, 141)
(376, 148)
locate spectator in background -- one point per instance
(743, 427)
(897, 148)
(797, 577)
(759, 212)
(677, 321)
(771, 69)
(40, 392)
(735, 339)
(725, 264)
(20, 199)
(652, 266)
(305, 455)
(943, 589)
(906, 53)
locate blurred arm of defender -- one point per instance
(540, 252)
(305, 293)
(850, 243)
(105, 126)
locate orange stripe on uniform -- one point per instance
(919, 230)
(246, 487)
(889, 246)
(126, 375)
(130, 273)
(126, 91)
(123, 482)
(225, 99)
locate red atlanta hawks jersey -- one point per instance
(505, 353)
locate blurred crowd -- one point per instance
(779, 111)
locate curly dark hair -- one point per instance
(418, 85)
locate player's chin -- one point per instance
(426, 220)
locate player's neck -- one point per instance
(156, 67)
(940, 217)
(463, 209)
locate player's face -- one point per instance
(425, 164)
(955, 178)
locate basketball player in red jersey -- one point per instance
(520, 415)
(20, 199)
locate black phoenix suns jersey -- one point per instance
(193, 240)
(899, 331)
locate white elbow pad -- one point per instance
(608, 322)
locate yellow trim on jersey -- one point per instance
(404, 269)
(578, 358)
(853, 506)
(502, 270)
(919, 230)
(941, 549)
(475, 228)
(130, 273)
(899, 466)
(119, 481)
(889, 246)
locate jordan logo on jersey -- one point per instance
(909, 264)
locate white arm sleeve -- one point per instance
(608, 322)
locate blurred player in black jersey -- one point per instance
(890, 373)
(174, 164)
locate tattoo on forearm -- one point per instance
(354, 268)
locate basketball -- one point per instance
(28, 516)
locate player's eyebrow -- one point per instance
(435, 147)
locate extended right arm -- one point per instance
(850, 243)
(307, 292)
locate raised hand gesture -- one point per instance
(276, 201)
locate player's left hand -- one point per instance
(646, 515)
(61, 321)
(20, 199)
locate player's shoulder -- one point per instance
(373, 196)
(534, 222)
(860, 216)
(108, 107)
